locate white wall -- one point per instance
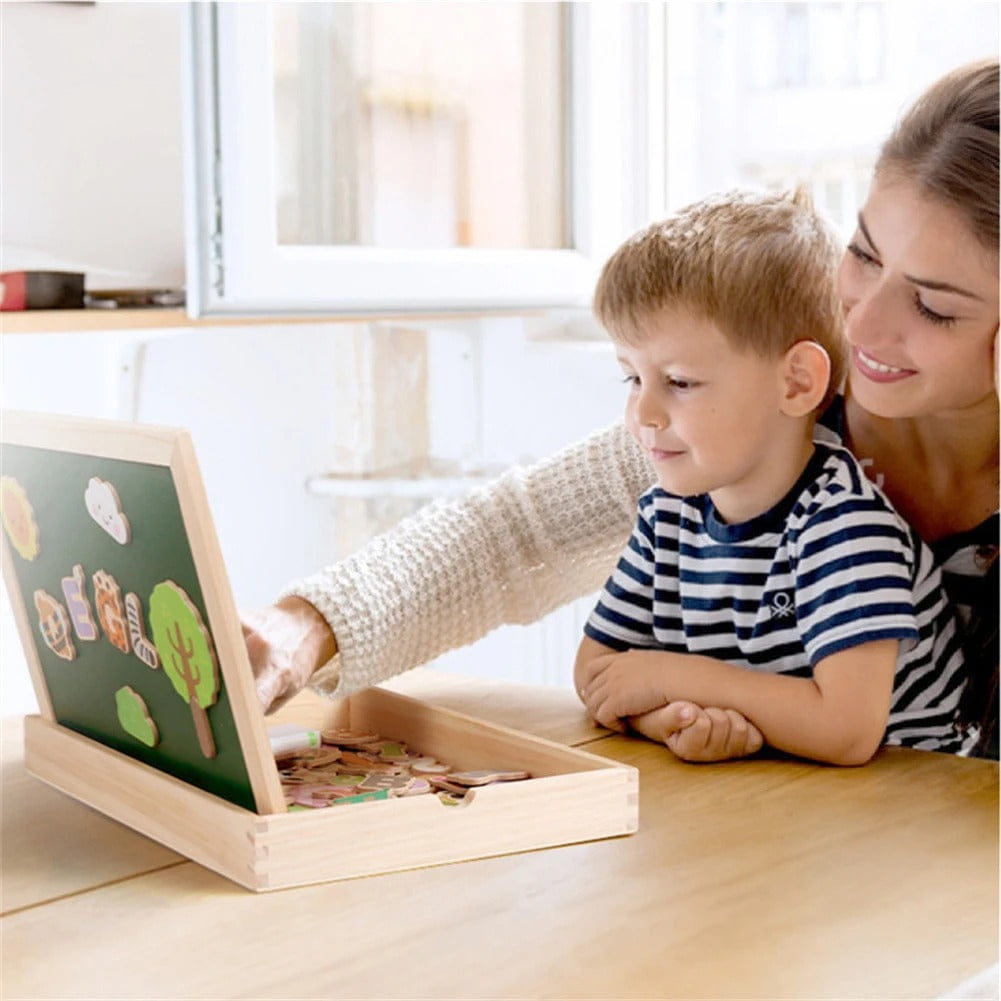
(90, 162)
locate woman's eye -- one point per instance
(681, 384)
(631, 380)
(861, 255)
(930, 314)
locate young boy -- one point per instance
(765, 573)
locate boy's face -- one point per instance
(708, 415)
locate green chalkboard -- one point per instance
(110, 692)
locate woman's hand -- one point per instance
(286, 643)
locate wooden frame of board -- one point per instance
(572, 795)
(169, 450)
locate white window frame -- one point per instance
(235, 264)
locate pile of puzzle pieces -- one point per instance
(351, 767)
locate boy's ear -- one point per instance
(806, 371)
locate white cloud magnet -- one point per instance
(105, 508)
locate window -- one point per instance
(776, 94)
(815, 44)
(367, 157)
(422, 125)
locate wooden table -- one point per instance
(756, 879)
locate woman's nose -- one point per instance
(869, 316)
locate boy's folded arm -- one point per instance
(838, 716)
(593, 658)
(589, 662)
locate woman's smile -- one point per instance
(877, 370)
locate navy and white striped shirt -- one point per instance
(831, 566)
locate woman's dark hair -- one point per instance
(979, 705)
(948, 143)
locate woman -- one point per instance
(919, 287)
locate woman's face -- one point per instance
(920, 296)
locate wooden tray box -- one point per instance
(573, 796)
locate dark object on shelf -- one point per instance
(135, 298)
(20, 290)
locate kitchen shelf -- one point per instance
(61, 321)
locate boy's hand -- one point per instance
(712, 735)
(617, 684)
(697, 734)
(631, 688)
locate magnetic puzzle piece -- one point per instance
(348, 779)
(484, 776)
(135, 718)
(392, 750)
(110, 610)
(311, 779)
(142, 647)
(362, 797)
(428, 766)
(18, 518)
(339, 791)
(361, 759)
(54, 625)
(441, 782)
(315, 796)
(75, 593)
(105, 507)
(188, 655)
(318, 758)
(416, 787)
(393, 783)
(351, 740)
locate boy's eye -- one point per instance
(672, 382)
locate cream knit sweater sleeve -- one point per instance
(510, 552)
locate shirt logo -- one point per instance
(782, 605)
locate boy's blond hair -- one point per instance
(760, 266)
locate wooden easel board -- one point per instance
(226, 810)
(94, 512)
